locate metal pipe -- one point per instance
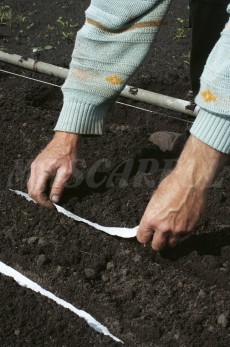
(34, 65)
(160, 100)
(130, 92)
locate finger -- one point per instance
(58, 185)
(173, 241)
(37, 186)
(160, 239)
(144, 233)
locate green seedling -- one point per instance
(30, 13)
(180, 20)
(30, 26)
(68, 36)
(74, 25)
(60, 21)
(67, 23)
(49, 28)
(25, 213)
(67, 5)
(5, 15)
(42, 49)
(180, 33)
(187, 58)
(20, 18)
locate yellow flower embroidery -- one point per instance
(208, 96)
(114, 79)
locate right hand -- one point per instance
(56, 160)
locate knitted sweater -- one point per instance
(113, 42)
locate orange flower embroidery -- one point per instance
(114, 79)
(208, 96)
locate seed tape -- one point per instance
(114, 231)
(26, 282)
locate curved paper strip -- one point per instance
(114, 231)
(26, 282)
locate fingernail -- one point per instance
(55, 198)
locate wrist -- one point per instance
(67, 138)
(199, 163)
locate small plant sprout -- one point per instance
(20, 18)
(61, 22)
(67, 23)
(74, 25)
(180, 20)
(49, 28)
(68, 36)
(30, 26)
(180, 33)
(5, 15)
(187, 57)
(2, 48)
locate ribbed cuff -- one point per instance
(81, 118)
(212, 129)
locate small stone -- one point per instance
(125, 272)
(168, 141)
(211, 328)
(110, 266)
(176, 337)
(42, 242)
(223, 269)
(90, 274)
(222, 320)
(180, 285)
(42, 260)
(127, 252)
(202, 294)
(17, 332)
(119, 128)
(137, 258)
(105, 278)
(31, 240)
(59, 270)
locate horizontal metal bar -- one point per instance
(129, 92)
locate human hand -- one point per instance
(172, 213)
(177, 205)
(56, 160)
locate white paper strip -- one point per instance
(114, 231)
(26, 282)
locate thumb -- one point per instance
(58, 185)
(145, 232)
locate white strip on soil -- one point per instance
(114, 231)
(26, 282)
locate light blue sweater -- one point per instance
(114, 40)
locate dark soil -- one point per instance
(172, 298)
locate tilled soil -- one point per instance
(178, 297)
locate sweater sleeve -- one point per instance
(212, 124)
(114, 40)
